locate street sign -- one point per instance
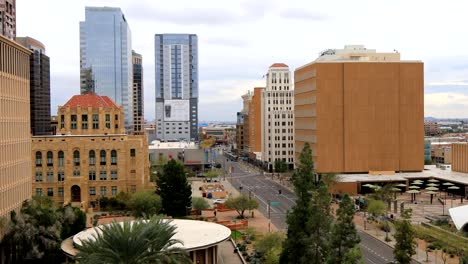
(274, 203)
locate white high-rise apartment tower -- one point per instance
(278, 117)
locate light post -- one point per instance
(269, 216)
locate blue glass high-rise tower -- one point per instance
(176, 66)
(106, 57)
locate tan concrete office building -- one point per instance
(91, 157)
(460, 157)
(15, 139)
(255, 121)
(361, 111)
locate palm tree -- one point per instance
(141, 241)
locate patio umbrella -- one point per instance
(432, 184)
(417, 182)
(453, 188)
(448, 184)
(413, 191)
(433, 180)
(368, 185)
(432, 188)
(414, 187)
(431, 193)
(395, 189)
(375, 187)
(401, 185)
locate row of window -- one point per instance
(76, 173)
(281, 138)
(289, 145)
(84, 121)
(92, 191)
(289, 123)
(281, 116)
(289, 130)
(281, 108)
(76, 158)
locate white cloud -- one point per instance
(446, 105)
(216, 91)
(445, 83)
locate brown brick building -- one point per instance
(92, 157)
(255, 121)
(460, 157)
(361, 115)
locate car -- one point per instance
(218, 201)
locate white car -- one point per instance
(218, 201)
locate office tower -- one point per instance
(92, 157)
(255, 120)
(278, 117)
(176, 65)
(361, 111)
(8, 18)
(106, 57)
(39, 86)
(15, 139)
(138, 93)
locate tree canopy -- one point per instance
(405, 246)
(144, 203)
(241, 203)
(280, 166)
(143, 241)
(174, 189)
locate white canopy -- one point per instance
(459, 216)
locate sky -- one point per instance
(238, 40)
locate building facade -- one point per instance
(255, 122)
(92, 157)
(362, 112)
(15, 139)
(460, 157)
(138, 94)
(432, 129)
(176, 73)
(278, 117)
(39, 86)
(8, 18)
(106, 57)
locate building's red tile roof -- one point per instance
(278, 65)
(91, 99)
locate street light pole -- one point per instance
(269, 216)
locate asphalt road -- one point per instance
(265, 190)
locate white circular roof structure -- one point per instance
(193, 233)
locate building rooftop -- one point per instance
(156, 144)
(192, 233)
(274, 65)
(91, 99)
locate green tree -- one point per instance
(144, 203)
(353, 256)
(73, 221)
(174, 189)
(376, 207)
(199, 203)
(147, 241)
(405, 246)
(344, 237)
(241, 203)
(309, 220)
(280, 166)
(269, 247)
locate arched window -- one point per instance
(76, 158)
(38, 159)
(50, 158)
(61, 159)
(92, 158)
(102, 156)
(113, 157)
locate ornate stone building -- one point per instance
(91, 157)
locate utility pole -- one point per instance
(269, 216)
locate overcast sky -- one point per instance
(239, 40)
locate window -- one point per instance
(114, 190)
(132, 153)
(103, 175)
(84, 121)
(38, 159)
(60, 191)
(76, 158)
(103, 191)
(102, 156)
(92, 191)
(92, 158)
(50, 158)
(107, 121)
(116, 117)
(133, 188)
(38, 191)
(60, 176)
(76, 173)
(114, 175)
(50, 191)
(62, 121)
(92, 175)
(73, 121)
(38, 176)
(61, 159)
(95, 121)
(50, 176)
(114, 157)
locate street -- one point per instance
(265, 190)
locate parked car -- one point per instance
(218, 201)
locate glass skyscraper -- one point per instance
(176, 66)
(106, 57)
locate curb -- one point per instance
(238, 252)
